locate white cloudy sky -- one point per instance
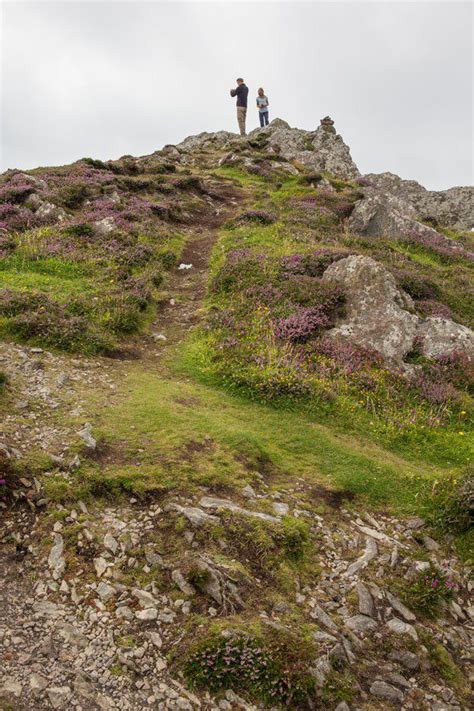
(109, 78)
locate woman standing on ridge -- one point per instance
(262, 106)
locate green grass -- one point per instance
(245, 180)
(195, 434)
(54, 285)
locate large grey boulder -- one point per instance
(378, 315)
(376, 311)
(322, 150)
(441, 336)
(205, 141)
(453, 207)
(385, 215)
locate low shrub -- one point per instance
(417, 286)
(310, 178)
(429, 590)
(56, 327)
(16, 190)
(265, 545)
(72, 196)
(430, 307)
(79, 230)
(259, 216)
(7, 244)
(310, 291)
(313, 264)
(95, 163)
(13, 302)
(302, 324)
(452, 502)
(270, 667)
(242, 268)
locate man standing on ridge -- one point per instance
(241, 93)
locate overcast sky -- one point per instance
(104, 79)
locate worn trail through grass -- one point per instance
(167, 432)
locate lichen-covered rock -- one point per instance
(376, 314)
(332, 154)
(440, 336)
(453, 207)
(320, 150)
(48, 211)
(383, 214)
(205, 140)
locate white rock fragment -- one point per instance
(86, 435)
(110, 543)
(100, 565)
(400, 627)
(368, 555)
(149, 613)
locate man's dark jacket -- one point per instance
(241, 93)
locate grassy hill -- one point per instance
(165, 345)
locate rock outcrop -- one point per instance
(379, 316)
(453, 207)
(382, 214)
(322, 150)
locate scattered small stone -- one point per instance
(105, 591)
(369, 554)
(317, 613)
(360, 624)
(407, 659)
(400, 627)
(38, 682)
(399, 607)
(366, 603)
(58, 695)
(149, 613)
(248, 492)
(100, 565)
(86, 435)
(382, 690)
(111, 543)
(182, 583)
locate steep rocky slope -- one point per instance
(236, 404)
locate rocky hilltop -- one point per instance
(236, 397)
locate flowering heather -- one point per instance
(268, 671)
(260, 216)
(455, 368)
(7, 244)
(16, 190)
(435, 242)
(302, 324)
(430, 307)
(18, 218)
(438, 392)
(58, 178)
(263, 294)
(347, 355)
(313, 264)
(429, 591)
(362, 181)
